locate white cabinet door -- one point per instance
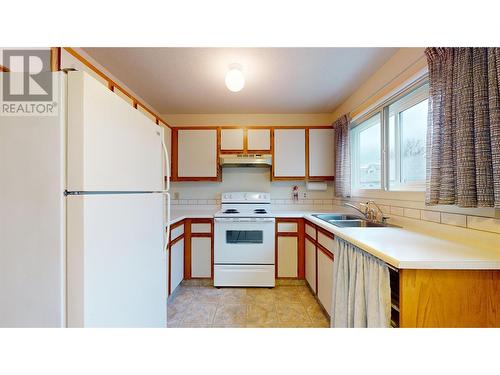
(321, 153)
(197, 153)
(231, 139)
(259, 139)
(289, 153)
(201, 257)
(325, 281)
(311, 264)
(176, 264)
(287, 256)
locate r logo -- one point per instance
(30, 78)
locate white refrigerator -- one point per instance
(84, 211)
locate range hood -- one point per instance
(246, 160)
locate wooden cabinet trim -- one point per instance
(325, 232)
(177, 224)
(255, 151)
(177, 239)
(188, 234)
(300, 244)
(313, 240)
(324, 250)
(174, 163)
(201, 234)
(316, 177)
(236, 150)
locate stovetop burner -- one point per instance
(231, 211)
(260, 211)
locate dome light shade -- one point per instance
(235, 80)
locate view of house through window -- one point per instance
(407, 127)
(404, 124)
(366, 153)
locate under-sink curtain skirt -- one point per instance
(361, 289)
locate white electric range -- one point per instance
(244, 241)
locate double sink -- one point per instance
(346, 221)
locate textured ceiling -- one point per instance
(278, 80)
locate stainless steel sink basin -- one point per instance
(356, 223)
(349, 221)
(330, 217)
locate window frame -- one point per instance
(382, 110)
(355, 145)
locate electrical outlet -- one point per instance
(303, 195)
(176, 195)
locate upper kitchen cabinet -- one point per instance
(321, 154)
(259, 140)
(232, 140)
(289, 154)
(195, 155)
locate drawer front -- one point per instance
(326, 241)
(244, 275)
(288, 227)
(177, 232)
(201, 228)
(311, 231)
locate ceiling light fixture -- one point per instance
(235, 80)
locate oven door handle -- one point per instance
(245, 220)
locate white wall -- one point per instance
(402, 66)
(246, 179)
(248, 119)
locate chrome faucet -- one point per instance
(371, 211)
(364, 213)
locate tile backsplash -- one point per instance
(463, 220)
(481, 223)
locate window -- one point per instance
(388, 146)
(366, 154)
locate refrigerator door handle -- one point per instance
(167, 163)
(168, 222)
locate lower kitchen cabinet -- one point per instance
(325, 279)
(310, 266)
(201, 257)
(287, 256)
(449, 298)
(176, 264)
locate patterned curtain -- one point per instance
(342, 157)
(463, 135)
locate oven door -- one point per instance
(244, 241)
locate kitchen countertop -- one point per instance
(402, 248)
(179, 215)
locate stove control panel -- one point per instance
(246, 197)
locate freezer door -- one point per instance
(111, 145)
(116, 261)
(32, 217)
